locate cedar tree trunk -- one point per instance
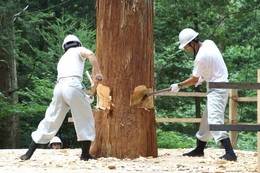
(125, 51)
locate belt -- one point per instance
(69, 78)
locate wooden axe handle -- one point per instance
(93, 90)
(159, 91)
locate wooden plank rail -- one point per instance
(204, 94)
(235, 127)
(183, 94)
(229, 85)
(181, 120)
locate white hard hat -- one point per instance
(55, 139)
(186, 36)
(70, 38)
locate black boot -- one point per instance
(198, 151)
(29, 153)
(230, 155)
(85, 146)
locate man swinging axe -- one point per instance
(209, 66)
(69, 94)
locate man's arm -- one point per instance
(96, 72)
(191, 81)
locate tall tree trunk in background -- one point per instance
(125, 51)
(9, 131)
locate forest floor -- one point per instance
(168, 160)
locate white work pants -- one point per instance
(213, 114)
(68, 95)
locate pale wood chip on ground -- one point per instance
(169, 160)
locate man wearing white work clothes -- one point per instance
(69, 94)
(209, 66)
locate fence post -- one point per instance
(258, 121)
(233, 115)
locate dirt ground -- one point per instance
(169, 160)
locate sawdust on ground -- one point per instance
(168, 160)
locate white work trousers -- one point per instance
(213, 114)
(68, 95)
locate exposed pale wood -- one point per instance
(234, 85)
(233, 115)
(104, 100)
(139, 98)
(246, 99)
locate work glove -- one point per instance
(199, 81)
(175, 88)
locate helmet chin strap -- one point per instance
(194, 51)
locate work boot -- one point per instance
(29, 153)
(198, 151)
(230, 155)
(85, 146)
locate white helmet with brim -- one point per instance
(186, 36)
(55, 139)
(70, 41)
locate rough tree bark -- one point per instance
(125, 52)
(9, 131)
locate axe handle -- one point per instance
(89, 76)
(93, 90)
(159, 91)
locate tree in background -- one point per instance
(9, 122)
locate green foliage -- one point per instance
(247, 141)
(6, 108)
(40, 92)
(171, 139)
(174, 140)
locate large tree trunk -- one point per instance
(125, 52)
(9, 131)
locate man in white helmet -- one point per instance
(209, 66)
(69, 94)
(55, 143)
